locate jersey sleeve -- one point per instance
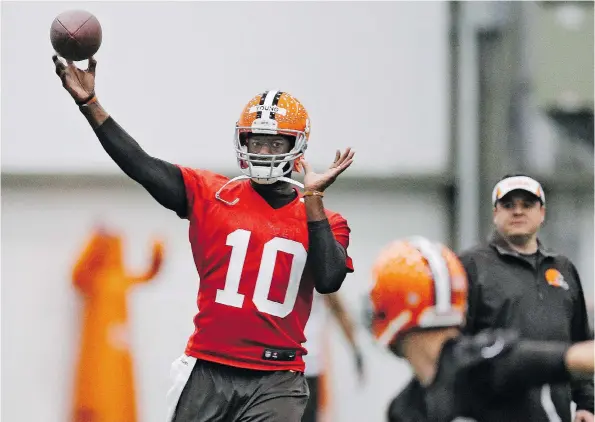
(341, 231)
(511, 364)
(200, 185)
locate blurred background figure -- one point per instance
(104, 382)
(438, 99)
(318, 360)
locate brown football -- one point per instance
(76, 35)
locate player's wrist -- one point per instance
(88, 100)
(94, 113)
(313, 193)
(314, 208)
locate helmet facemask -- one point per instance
(267, 168)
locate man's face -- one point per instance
(268, 144)
(518, 215)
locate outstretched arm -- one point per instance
(161, 179)
(533, 363)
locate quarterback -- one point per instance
(260, 245)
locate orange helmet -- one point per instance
(418, 284)
(272, 113)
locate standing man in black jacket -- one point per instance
(516, 283)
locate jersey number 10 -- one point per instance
(229, 295)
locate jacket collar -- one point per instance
(499, 243)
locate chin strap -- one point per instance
(293, 182)
(243, 176)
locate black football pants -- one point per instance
(221, 393)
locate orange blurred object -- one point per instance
(104, 385)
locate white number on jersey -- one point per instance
(229, 295)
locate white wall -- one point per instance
(374, 76)
(42, 233)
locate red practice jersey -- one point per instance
(255, 292)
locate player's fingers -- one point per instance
(337, 156)
(344, 166)
(61, 72)
(332, 174)
(344, 156)
(92, 66)
(349, 152)
(337, 159)
(62, 75)
(72, 66)
(58, 63)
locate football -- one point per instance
(76, 35)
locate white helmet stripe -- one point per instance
(440, 273)
(268, 103)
